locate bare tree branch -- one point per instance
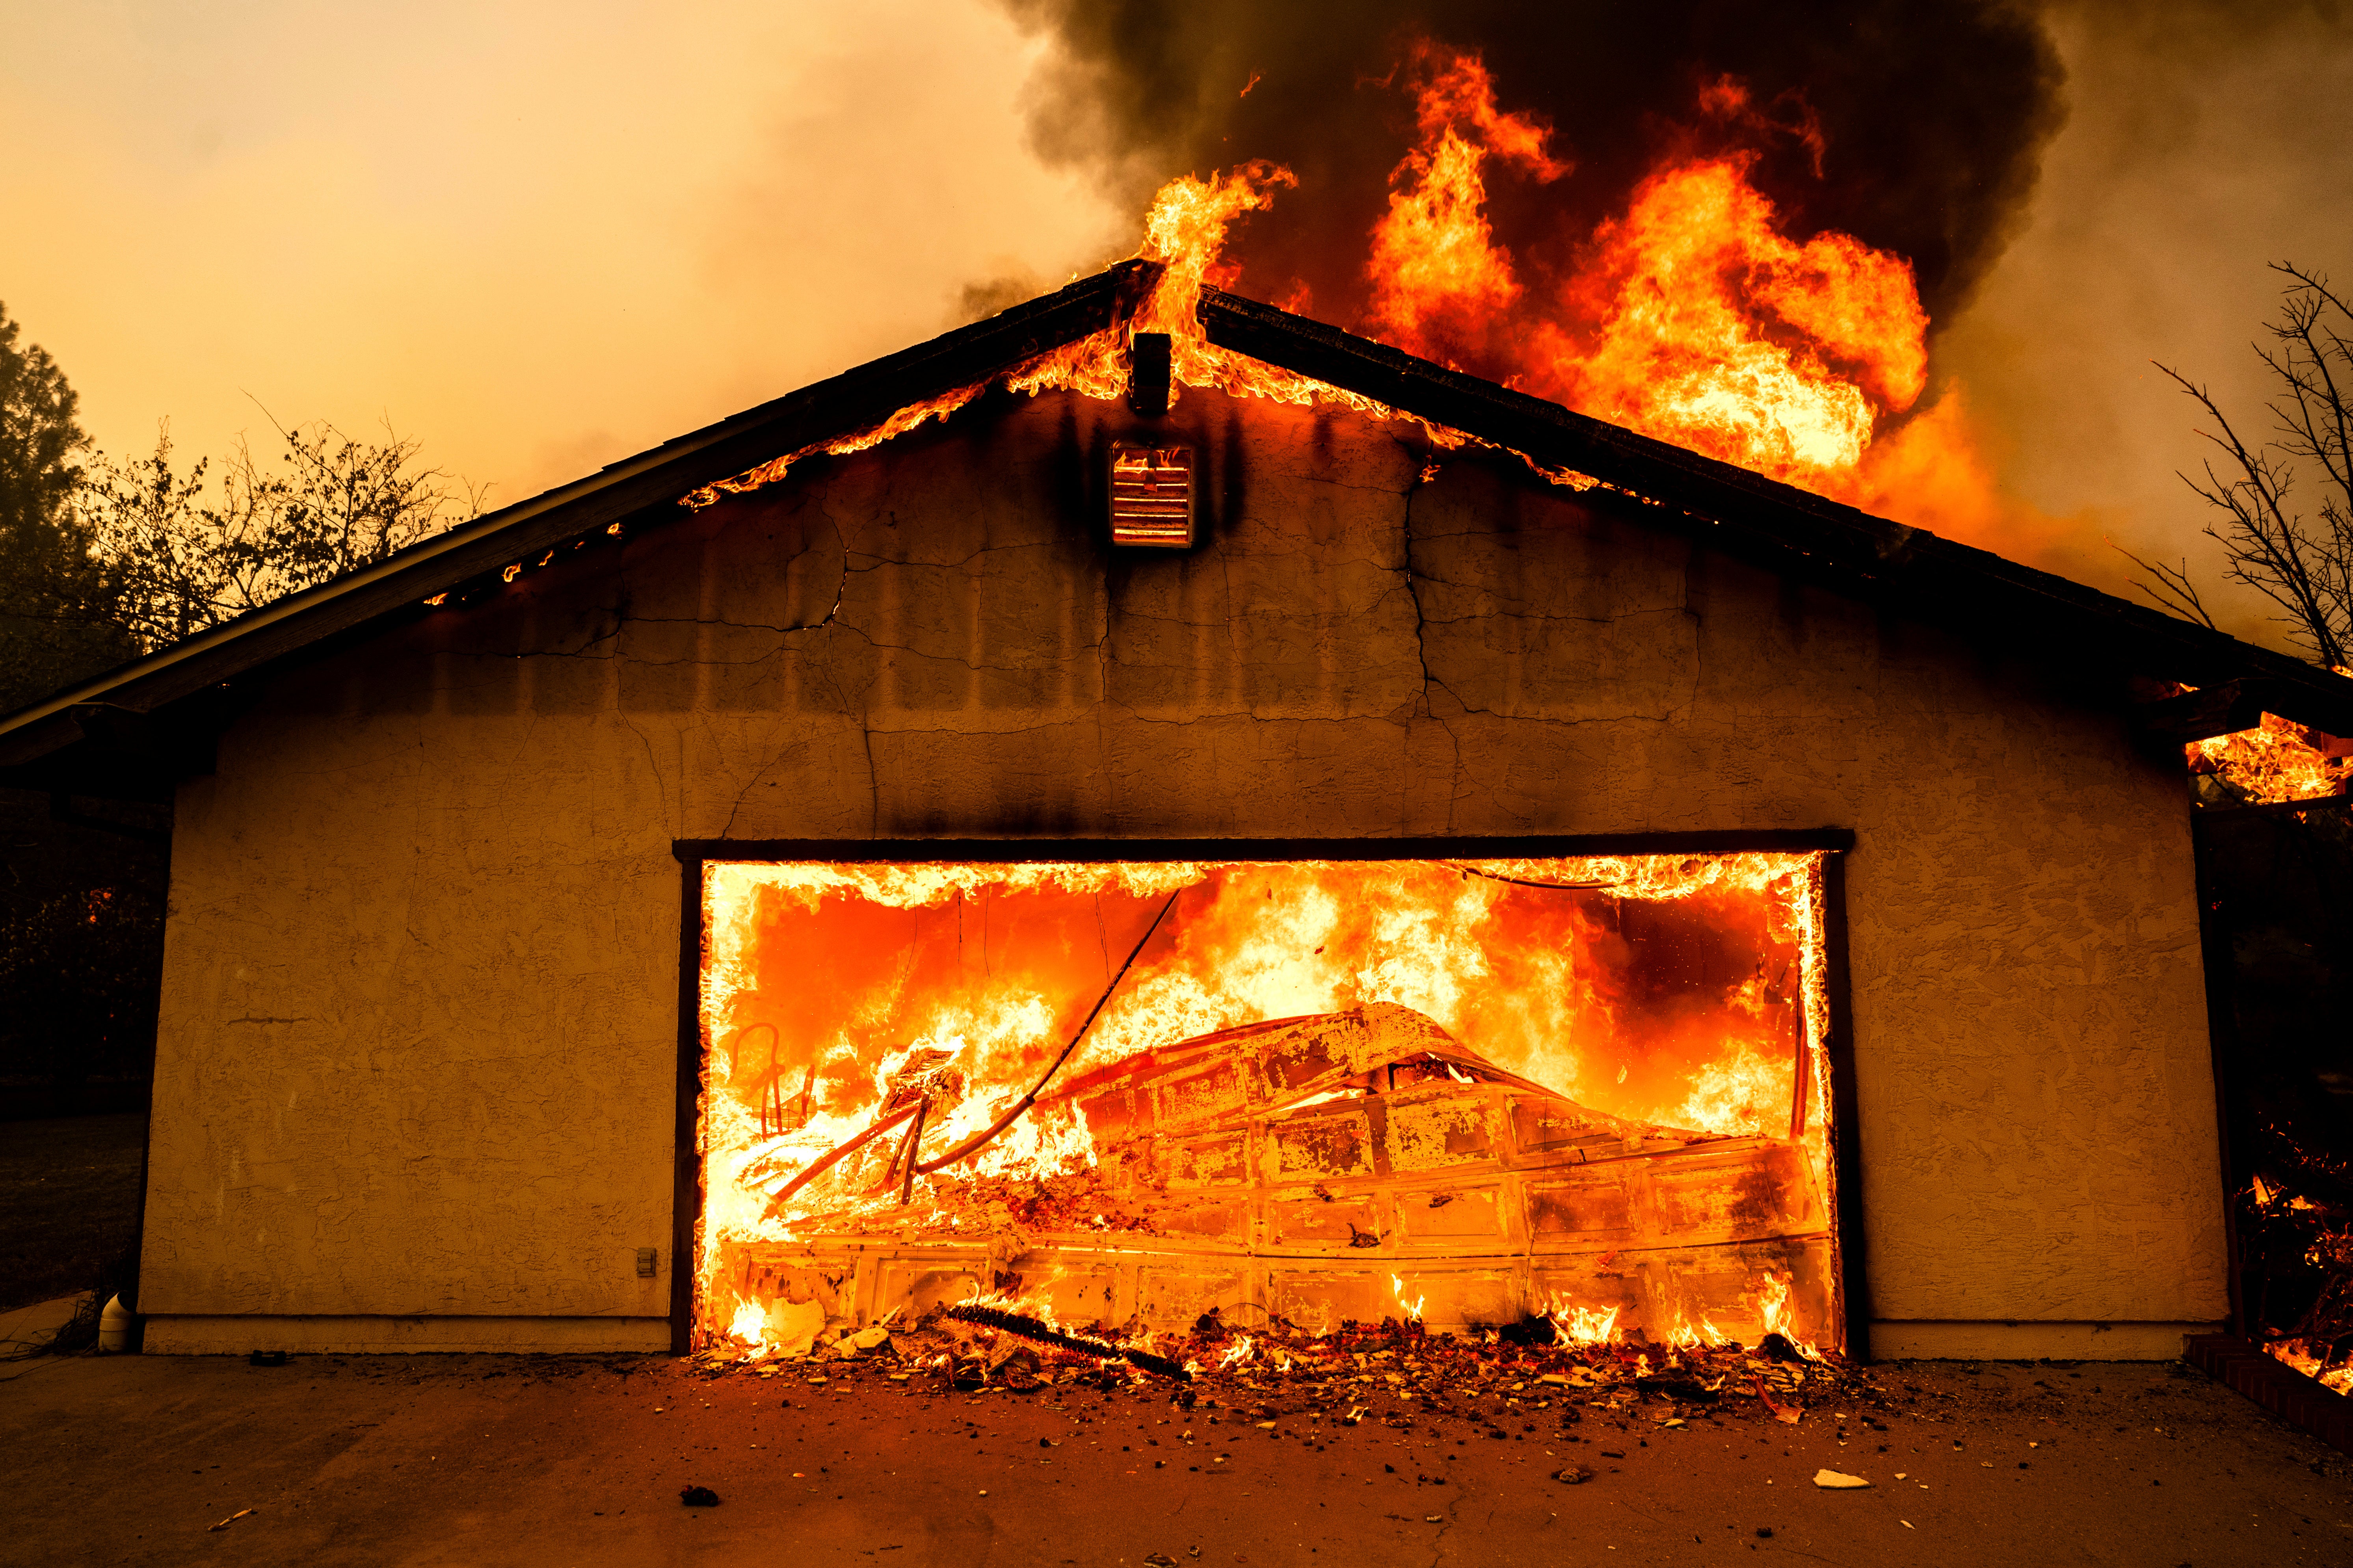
(2303, 565)
(2170, 587)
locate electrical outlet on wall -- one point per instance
(645, 1256)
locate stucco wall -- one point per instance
(419, 1018)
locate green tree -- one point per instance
(50, 579)
(81, 912)
(182, 557)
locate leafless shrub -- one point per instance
(2302, 564)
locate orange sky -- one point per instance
(542, 237)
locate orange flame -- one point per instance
(1773, 1298)
(1185, 231)
(2298, 1353)
(1692, 316)
(1583, 1325)
(1741, 1092)
(1687, 1335)
(2277, 761)
(1711, 329)
(1440, 280)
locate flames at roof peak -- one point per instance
(1692, 316)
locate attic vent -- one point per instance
(1152, 495)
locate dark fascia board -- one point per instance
(1515, 846)
(825, 410)
(1911, 568)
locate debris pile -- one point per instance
(1505, 1383)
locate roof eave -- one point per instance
(822, 411)
(1883, 560)
(1955, 582)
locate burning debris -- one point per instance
(1512, 1382)
(2304, 1246)
(2275, 762)
(1021, 1325)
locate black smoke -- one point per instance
(1932, 116)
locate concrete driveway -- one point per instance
(520, 1460)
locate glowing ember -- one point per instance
(2298, 1355)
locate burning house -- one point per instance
(1156, 807)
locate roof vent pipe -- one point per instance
(1147, 376)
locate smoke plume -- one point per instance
(1915, 129)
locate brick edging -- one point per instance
(2300, 1401)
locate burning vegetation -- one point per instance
(2305, 1243)
(2276, 762)
(1294, 1096)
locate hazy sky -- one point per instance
(2200, 145)
(539, 237)
(542, 237)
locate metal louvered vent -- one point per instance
(1152, 495)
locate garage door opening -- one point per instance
(1127, 1095)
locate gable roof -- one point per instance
(111, 734)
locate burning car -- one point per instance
(1349, 1165)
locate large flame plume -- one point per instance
(1694, 314)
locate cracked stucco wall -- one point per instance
(419, 1030)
